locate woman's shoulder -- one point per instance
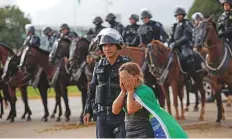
(143, 89)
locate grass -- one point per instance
(35, 94)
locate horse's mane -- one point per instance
(84, 39)
(41, 50)
(7, 48)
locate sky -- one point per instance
(56, 12)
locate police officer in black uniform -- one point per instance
(130, 31)
(104, 87)
(224, 25)
(92, 33)
(181, 39)
(111, 19)
(148, 31)
(199, 30)
(52, 36)
(31, 40)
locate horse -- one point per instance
(31, 58)
(164, 65)
(138, 56)
(16, 78)
(218, 63)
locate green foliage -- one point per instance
(207, 7)
(12, 22)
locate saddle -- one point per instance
(198, 60)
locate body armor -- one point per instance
(224, 25)
(129, 33)
(198, 35)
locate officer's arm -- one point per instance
(91, 93)
(120, 29)
(157, 33)
(186, 37)
(220, 24)
(34, 41)
(124, 34)
(136, 40)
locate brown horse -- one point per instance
(138, 55)
(218, 63)
(169, 74)
(6, 52)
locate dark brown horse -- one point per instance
(169, 73)
(16, 78)
(218, 63)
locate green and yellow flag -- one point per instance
(163, 124)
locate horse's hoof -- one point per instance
(44, 119)
(80, 123)
(11, 120)
(182, 118)
(186, 109)
(177, 118)
(195, 109)
(58, 119)
(228, 105)
(201, 118)
(223, 118)
(23, 117)
(52, 116)
(28, 119)
(67, 119)
(217, 123)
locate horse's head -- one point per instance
(78, 51)
(209, 33)
(156, 55)
(5, 52)
(94, 49)
(10, 67)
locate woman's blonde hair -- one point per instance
(133, 69)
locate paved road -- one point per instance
(35, 128)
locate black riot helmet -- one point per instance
(179, 11)
(110, 36)
(134, 17)
(110, 17)
(145, 14)
(226, 1)
(97, 20)
(64, 26)
(47, 30)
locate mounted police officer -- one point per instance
(224, 25)
(51, 35)
(181, 39)
(104, 87)
(150, 30)
(198, 33)
(130, 31)
(111, 19)
(31, 39)
(92, 33)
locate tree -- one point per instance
(12, 22)
(207, 8)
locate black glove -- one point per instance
(221, 34)
(172, 45)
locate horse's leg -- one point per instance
(25, 100)
(12, 114)
(43, 88)
(187, 93)
(203, 99)
(166, 92)
(161, 95)
(83, 89)
(181, 96)
(55, 109)
(217, 89)
(229, 97)
(66, 102)
(58, 102)
(1, 103)
(175, 96)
